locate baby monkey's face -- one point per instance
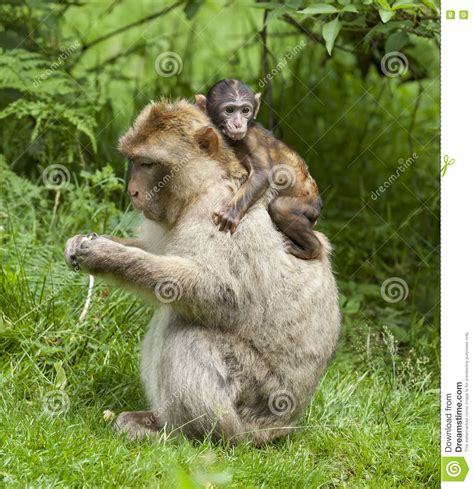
(234, 118)
(231, 105)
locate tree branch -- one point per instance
(268, 84)
(103, 38)
(314, 36)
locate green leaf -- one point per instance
(279, 12)
(352, 306)
(396, 41)
(319, 8)
(431, 5)
(191, 8)
(350, 8)
(61, 379)
(270, 5)
(294, 4)
(404, 4)
(386, 15)
(330, 32)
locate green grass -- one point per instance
(372, 423)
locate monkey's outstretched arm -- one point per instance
(134, 242)
(169, 279)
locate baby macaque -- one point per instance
(232, 107)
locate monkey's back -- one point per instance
(273, 330)
(303, 185)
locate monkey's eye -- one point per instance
(146, 165)
(245, 110)
(229, 110)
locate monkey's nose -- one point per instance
(133, 193)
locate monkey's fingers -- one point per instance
(222, 224)
(75, 265)
(233, 226)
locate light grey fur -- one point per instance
(250, 327)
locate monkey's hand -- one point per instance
(91, 253)
(227, 218)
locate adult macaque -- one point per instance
(232, 106)
(244, 331)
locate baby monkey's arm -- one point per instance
(258, 164)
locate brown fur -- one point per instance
(297, 204)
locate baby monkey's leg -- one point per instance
(295, 219)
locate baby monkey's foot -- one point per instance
(303, 254)
(290, 247)
(226, 218)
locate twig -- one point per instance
(57, 196)
(413, 116)
(103, 38)
(87, 304)
(121, 54)
(314, 36)
(268, 84)
(365, 129)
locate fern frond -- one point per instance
(32, 73)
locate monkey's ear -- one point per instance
(207, 140)
(201, 102)
(257, 104)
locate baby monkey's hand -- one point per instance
(227, 218)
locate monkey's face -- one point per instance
(234, 118)
(231, 105)
(148, 182)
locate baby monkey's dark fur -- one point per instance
(232, 107)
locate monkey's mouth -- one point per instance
(236, 136)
